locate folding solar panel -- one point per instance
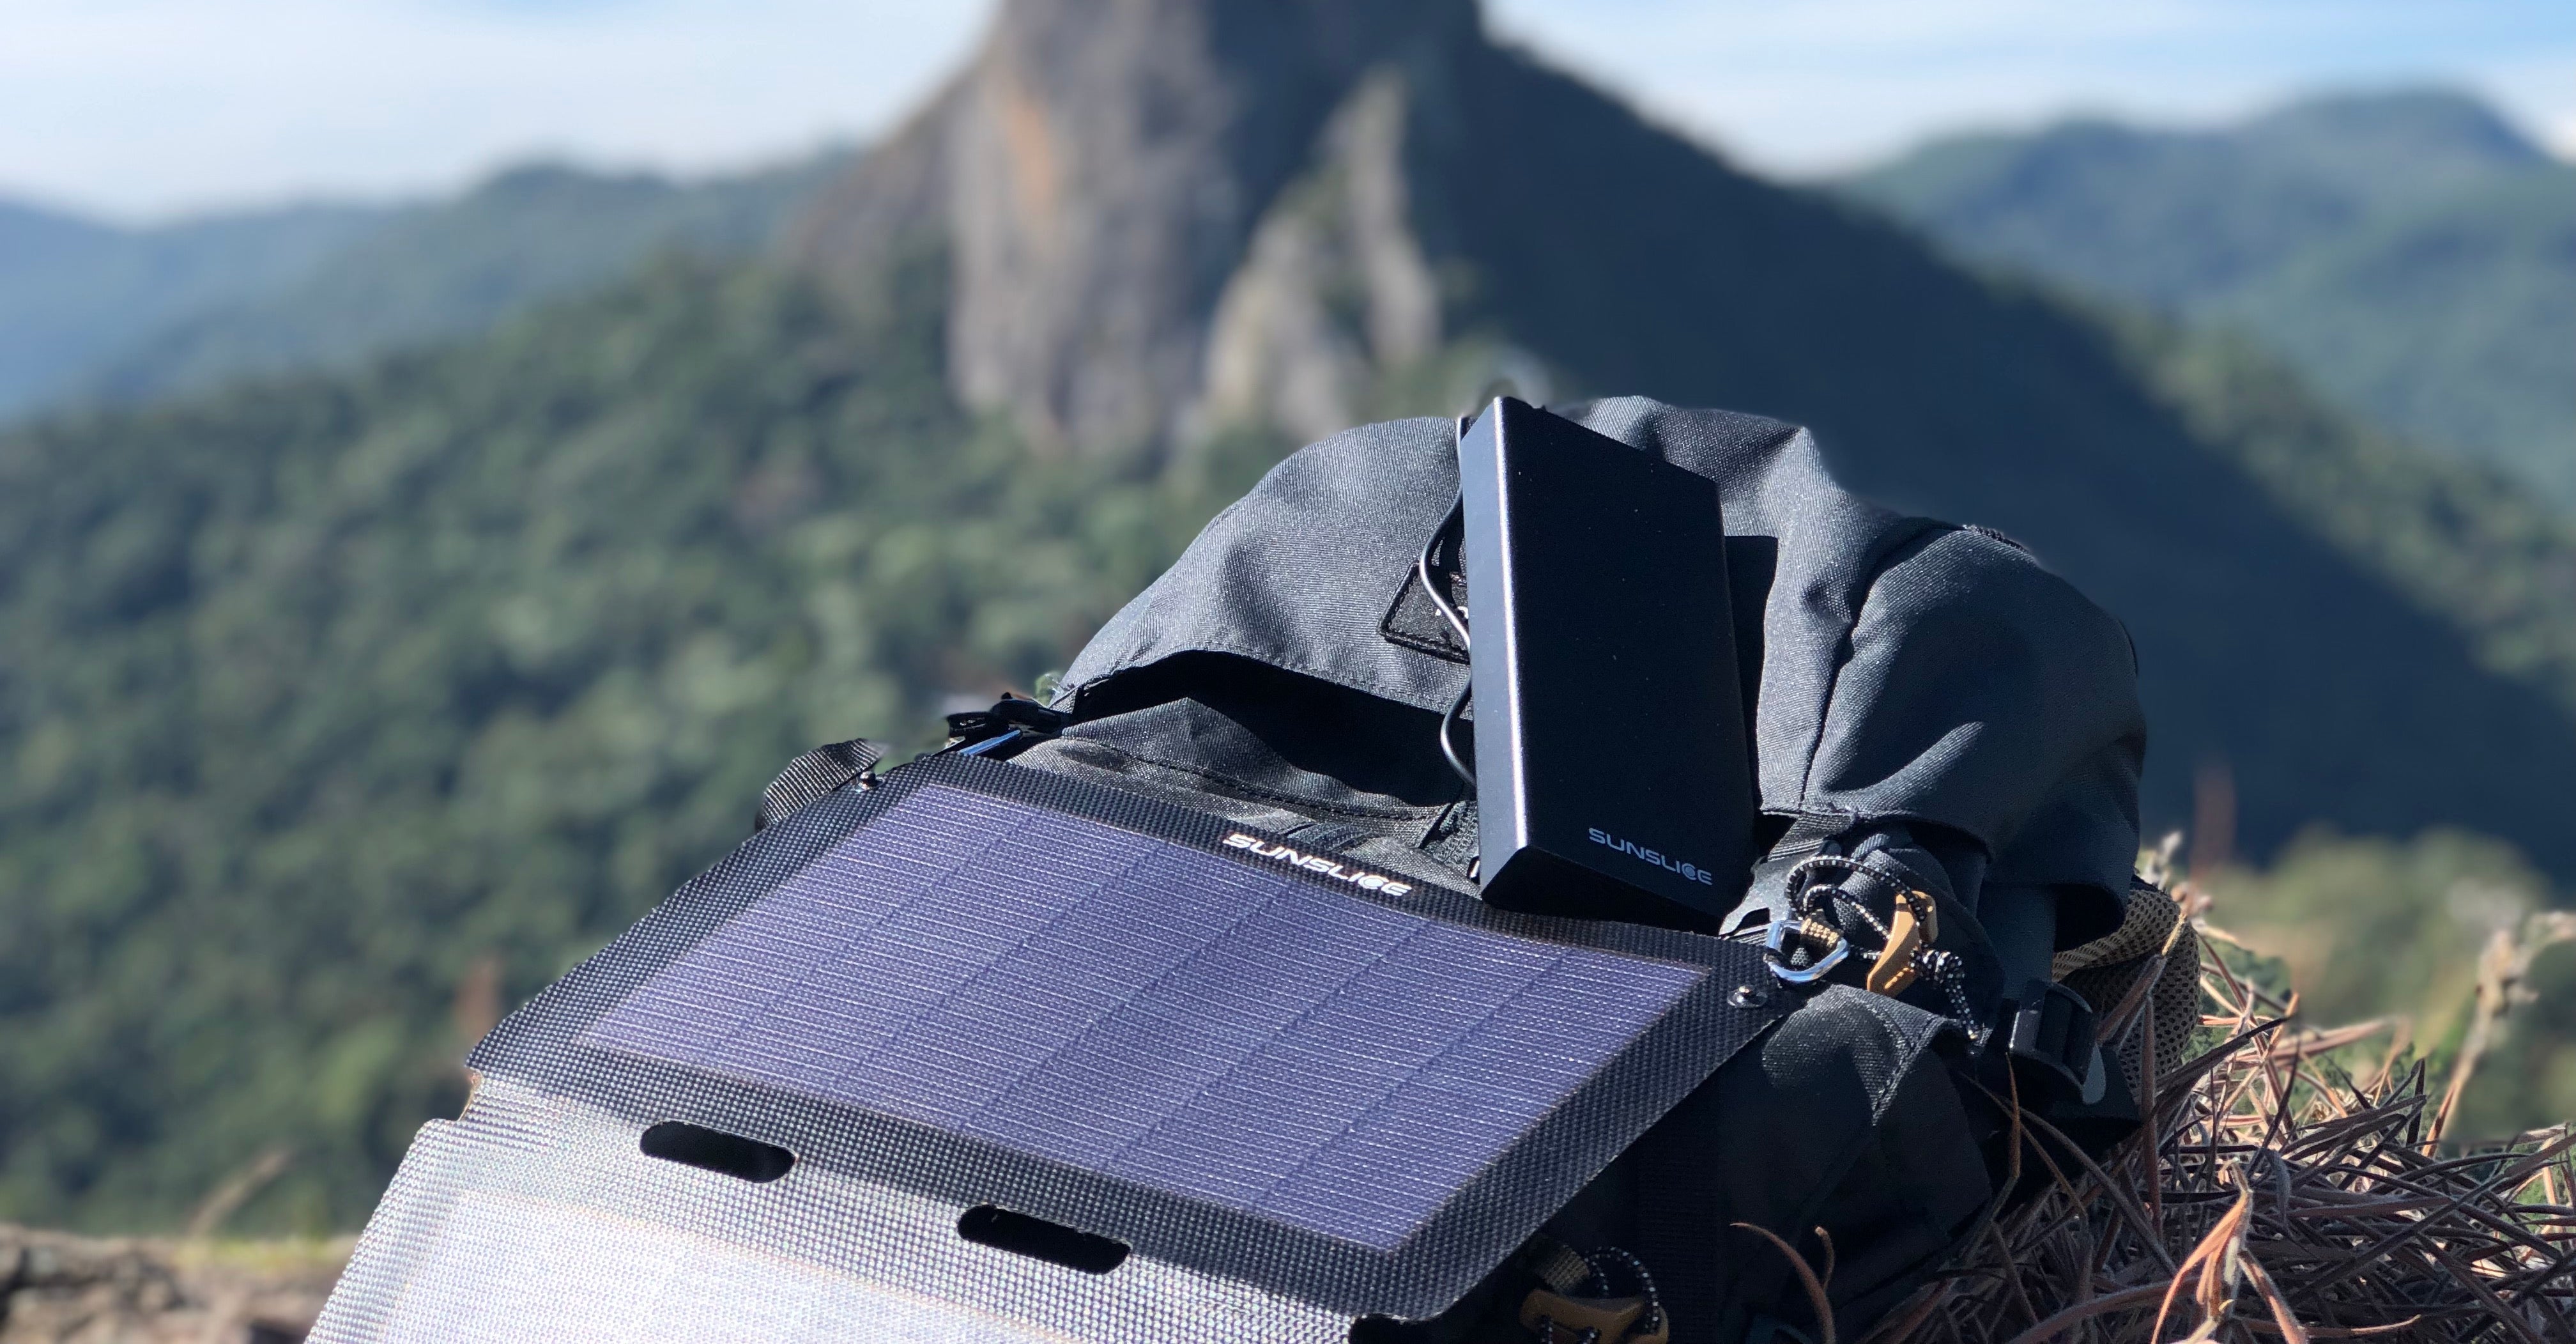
(985, 1053)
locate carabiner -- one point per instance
(1775, 954)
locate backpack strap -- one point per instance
(1766, 900)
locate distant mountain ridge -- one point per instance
(2409, 252)
(74, 293)
(93, 313)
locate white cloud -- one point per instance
(2542, 88)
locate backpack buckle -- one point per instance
(2050, 1028)
(1011, 725)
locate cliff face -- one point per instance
(1334, 291)
(1098, 173)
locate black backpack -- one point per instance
(1937, 718)
(1167, 1010)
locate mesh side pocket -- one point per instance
(2107, 972)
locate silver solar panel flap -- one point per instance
(979, 984)
(536, 1219)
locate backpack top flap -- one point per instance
(1899, 669)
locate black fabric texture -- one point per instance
(1325, 766)
(1846, 1118)
(1902, 670)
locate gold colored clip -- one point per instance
(1915, 924)
(1556, 1319)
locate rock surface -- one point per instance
(61, 1289)
(1098, 174)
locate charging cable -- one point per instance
(1457, 621)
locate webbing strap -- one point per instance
(1808, 834)
(1767, 899)
(814, 774)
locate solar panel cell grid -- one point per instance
(1189, 1021)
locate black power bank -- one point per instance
(1613, 777)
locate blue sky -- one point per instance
(143, 109)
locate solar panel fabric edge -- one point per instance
(542, 1045)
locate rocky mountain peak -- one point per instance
(1098, 174)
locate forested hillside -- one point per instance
(339, 709)
(2409, 253)
(317, 694)
(2372, 927)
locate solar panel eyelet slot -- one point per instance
(716, 1151)
(1020, 1234)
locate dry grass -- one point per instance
(2292, 1184)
